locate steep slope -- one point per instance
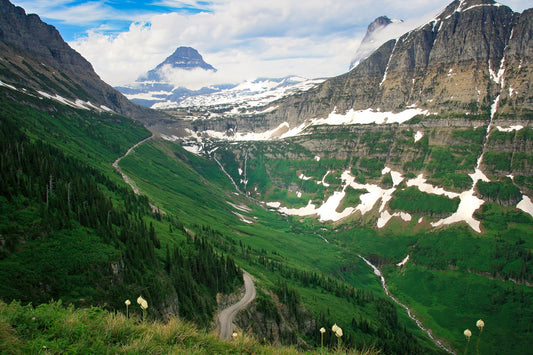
(34, 57)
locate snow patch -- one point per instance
(242, 218)
(418, 136)
(403, 262)
(509, 129)
(526, 205)
(368, 116)
(7, 85)
(303, 177)
(420, 182)
(274, 204)
(397, 177)
(385, 217)
(468, 205)
(317, 158)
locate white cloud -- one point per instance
(248, 39)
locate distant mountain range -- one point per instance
(161, 87)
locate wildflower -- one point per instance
(467, 334)
(334, 328)
(480, 324)
(144, 305)
(234, 335)
(322, 331)
(338, 333)
(128, 302)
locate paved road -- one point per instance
(226, 316)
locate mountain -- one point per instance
(165, 86)
(472, 55)
(372, 40)
(70, 227)
(184, 58)
(168, 82)
(35, 57)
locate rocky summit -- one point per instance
(371, 41)
(185, 58)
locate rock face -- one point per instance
(34, 56)
(446, 65)
(371, 40)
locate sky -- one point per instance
(243, 39)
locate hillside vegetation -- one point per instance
(52, 328)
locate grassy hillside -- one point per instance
(53, 328)
(72, 230)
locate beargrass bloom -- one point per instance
(127, 302)
(322, 331)
(234, 335)
(144, 305)
(338, 333)
(480, 324)
(467, 334)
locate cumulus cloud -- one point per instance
(249, 39)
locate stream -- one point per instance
(377, 272)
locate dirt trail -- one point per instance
(226, 316)
(124, 176)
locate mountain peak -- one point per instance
(371, 41)
(184, 58)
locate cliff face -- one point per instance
(35, 57)
(457, 62)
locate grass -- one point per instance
(52, 328)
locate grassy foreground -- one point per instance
(52, 328)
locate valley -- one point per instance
(393, 200)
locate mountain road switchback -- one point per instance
(226, 316)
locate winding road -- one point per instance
(226, 316)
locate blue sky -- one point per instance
(243, 39)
